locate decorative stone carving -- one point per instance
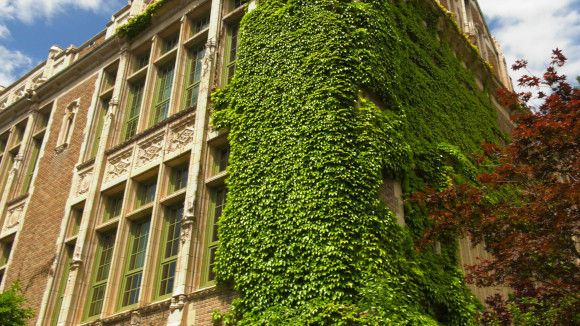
(13, 216)
(84, 182)
(180, 137)
(118, 165)
(150, 150)
(135, 318)
(113, 103)
(75, 264)
(186, 227)
(207, 59)
(178, 302)
(31, 95)
(60, 149)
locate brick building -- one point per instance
(112, 178)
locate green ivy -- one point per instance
(330, 98)
(139, 23)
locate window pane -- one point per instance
(139, 245)
(167, 278)
(223, 158)
(233, 52)
(142, 60)
(103, 264)
(211, 273)
(137, 254)
(164, 84)
(132, 287)
(200, 24)
(146, 192)
(134, 108)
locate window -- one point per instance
(136, 252)
(146, 191)
(113, 206)
(170, 42)
(142, 60)
(44, 117)
(109, 80)
(169, 249)
(133, 108)
(218, 203)
(5, 250)
(100, 274)
(232, 52)
(68, 252)
(221, 159)
(18, 133)
(75, 220)
(179, 177)
(9, 158)
(6, 247)
(36, 143)
(234, 4)
(3, 142)
(101, 114)
(200, 24)
(193, 77)
(163, 93)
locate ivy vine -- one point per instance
(329, 99)
(139, 23)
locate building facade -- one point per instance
(112, 177)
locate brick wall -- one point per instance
(36, 248)
(197, 312)
(200, 309)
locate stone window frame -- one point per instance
(60, 283)
(215, 182)
(170, 236)
(192, 76)
(97, 280)
(153, 107)
(134, 108)
(6, 248)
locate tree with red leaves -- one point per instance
(526, 209)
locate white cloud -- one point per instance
(4, 32)
(531, 29)
(12, 65)
(15, 63)
(30, 10)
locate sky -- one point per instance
(525, 29)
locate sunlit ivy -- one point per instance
(330, 98)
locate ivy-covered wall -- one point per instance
(330, 98)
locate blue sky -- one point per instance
(524, 28)
(28, 28)
(530, 29)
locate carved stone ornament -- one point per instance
(84, 183)
(150, 150)
(118, 165)
(14, 215)
(186, 227)
(178, 302)
(135, 318)
(75, 264)
(180, 137)
(113, 103)
(207, 59)
(60, 149)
